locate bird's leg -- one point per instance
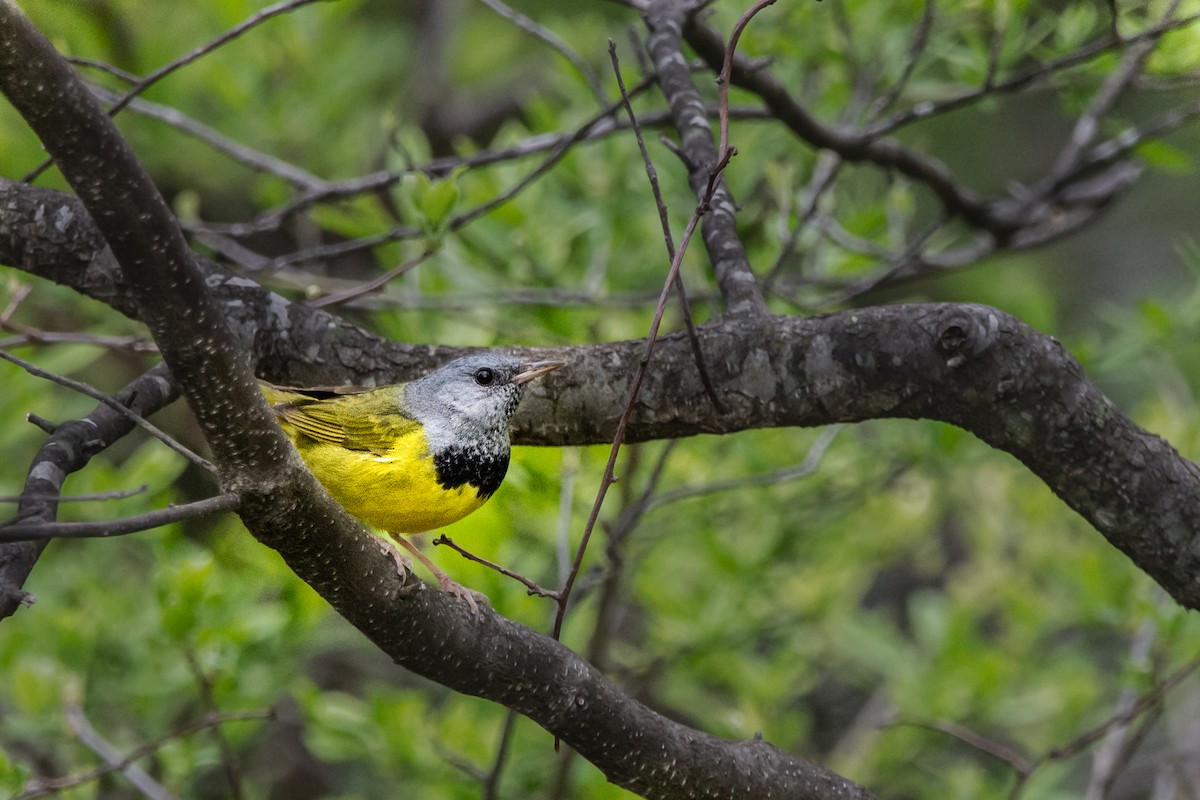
(447, 584)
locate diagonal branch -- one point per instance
(68, 450)
(739, 287)
(283, 506)
(773, 371)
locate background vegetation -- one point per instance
(916, 611)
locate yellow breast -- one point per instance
(397, 492)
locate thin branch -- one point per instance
(824, 172)
(96, 394)
(1019, 763)
(1022, 79)
(370, 286)
(69, 448)
(808, 466)
(32, 337)
(272, 219)
(916, 48)
(554, 41)
(77, 498)
(665, 222)
(1109, 755)
(1145, 701)
(1088, 124)
(491, 784)
(727, 71)
(18, 531)
(238, 151)
(154, 77)
(91, 738)
(534, 588)
(228, 762)
(1111, 151)
(635, 388)
(40, 787)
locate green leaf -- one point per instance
(1166, 157)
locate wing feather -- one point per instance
(369, 422)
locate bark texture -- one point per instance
(976, 367)
(426, 631)
(969, 365)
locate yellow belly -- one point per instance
(397, 492)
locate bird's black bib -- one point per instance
(457, 466)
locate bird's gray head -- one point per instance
(472, 397)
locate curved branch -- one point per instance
(429, 632)
(1013, 387)
(68, 450)
(969, 365)
(849, 144)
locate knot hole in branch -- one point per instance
(964, 336)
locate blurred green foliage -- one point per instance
(916, 578)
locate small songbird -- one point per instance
(412, 457)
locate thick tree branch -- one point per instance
(1015, 388)
(738, 285)
(969, 365)
(426, 631)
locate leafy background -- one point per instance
(915, 579)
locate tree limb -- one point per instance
(424, 630)
(973, 366)
(737, 282)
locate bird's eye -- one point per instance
(485, 376)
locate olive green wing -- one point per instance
(370, 422)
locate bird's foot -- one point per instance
(455, 589)
(402, 564)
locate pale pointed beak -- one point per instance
(535, 369)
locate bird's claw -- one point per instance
(456, 589)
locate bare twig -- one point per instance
(916, 49)
(439, 167)
(91, 738)
(1019, 763)
(77, 498)
(33, 337)
(1088, 124)
(619, 437)
(18, 531)
(238, 151)
(491, 783)
(534, 588)
(664, 220)
(822, 179)
(96, 394)
(802, 470)
(376, 283)
(1108, 755)
(40, 787)
(154, 77)
(1022, 79)
(1144, 701)
(727, 71)
(554, 41)
(228, 762)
